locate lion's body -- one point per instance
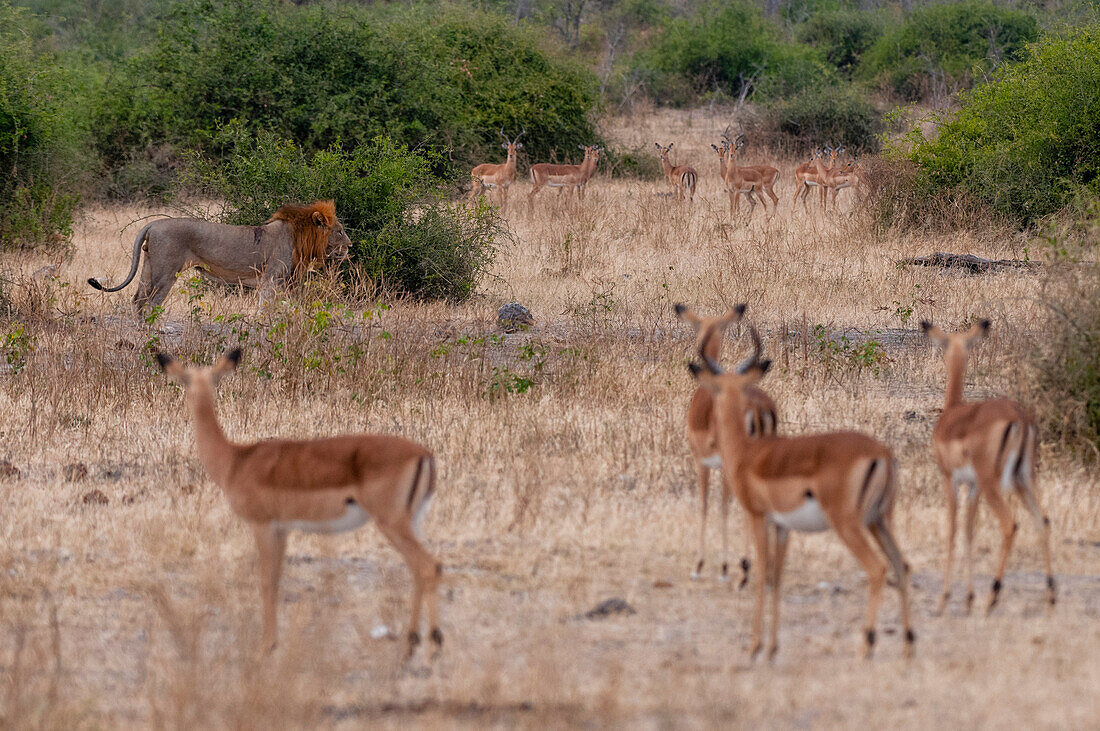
(261, 256)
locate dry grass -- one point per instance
(553, 495)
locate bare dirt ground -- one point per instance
(128, 594)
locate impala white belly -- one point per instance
(714, 462)
(964, 475)
(806, 518)
(354, 517)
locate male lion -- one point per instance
(255, 256)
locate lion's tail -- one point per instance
(142, 234)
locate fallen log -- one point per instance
(969, 262)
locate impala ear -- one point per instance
(686, 314)
(504, 145)
(227, 363)
(732, 315)
(658, 146)
(977, 333)
(519, 145)
(937, 336)
(173, 369)
(582, 147)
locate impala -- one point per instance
(703, 439)
(498, 175)
(739, 181)
(843, 480)
(827, 175)
(316, 486)
(682, 177)
(768, 174)
(992, 448)
(806, 177)
(573, 177)
(852, 175)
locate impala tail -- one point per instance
(879, 490)
(421, 491)
(688, 180)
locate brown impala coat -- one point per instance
(702, 435)
(991, 447)
(316, 486)
(843, 480)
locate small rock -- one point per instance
(75, 472)
(8, 471)
(514, 317)
(607, 607)
(662, 584)
(95, 497)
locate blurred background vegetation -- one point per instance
(139, 99)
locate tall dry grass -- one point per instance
(129, 595)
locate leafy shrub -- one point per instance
(721, 48)
(404, 238)
(639, 163)
(837, 114)
(843, 34)
(938, 48)
(320, 76)
(39, 142)
(1028, 141)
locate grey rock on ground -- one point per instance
(514, 317)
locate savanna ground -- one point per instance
(129, 594)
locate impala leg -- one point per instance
(884, 536)
(271, 546)
(703, 472)
(760, 538)
(425, 572)
(725, 508)
(853, 536)
(781, 536)
(746, 564)
(770, 190)
(951, 496)
(971, 524)
(1042, 522)
(735, 204)
(1001, 509)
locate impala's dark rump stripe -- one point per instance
(867, 484)
(415, 484)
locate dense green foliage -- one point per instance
(320, 75)
(720, 48)
(939, 48)
(1029, 140)
(404, 238)
(843, 34)
(39, 142)
(840, 115)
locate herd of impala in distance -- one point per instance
(822, 171)
(843, 481)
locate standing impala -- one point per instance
(806, 177)
(992, 448)
(768, 174)
(682, 177)
(702, 436)
(843, 480)
(316, 486)
(573, 177)
(498, 175)
(741, 182)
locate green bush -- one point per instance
(843, 34)
(721, 47)
(837, 114)
(405, 239)
(939, 47)
(1028, 141)
(325, 75)
(40, 141)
